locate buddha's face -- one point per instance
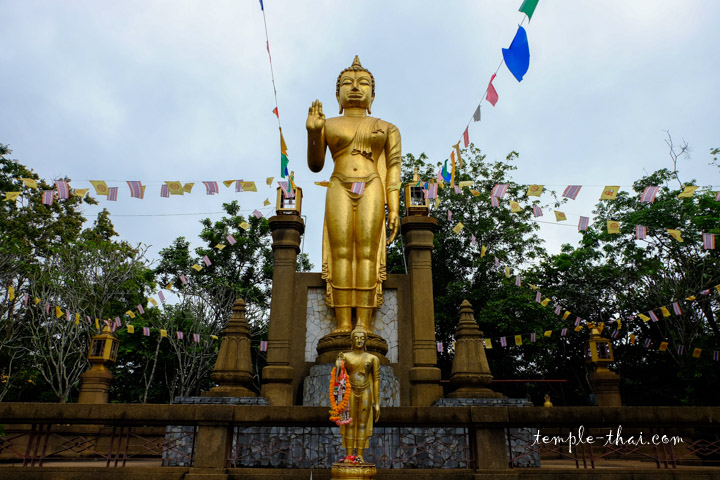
(359, 339)
(355, 90)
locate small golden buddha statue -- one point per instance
(363, 370)
(365, 179)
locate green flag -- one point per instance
(528, 7)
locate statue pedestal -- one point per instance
(350, 471)
(316, 386)
(332, 344)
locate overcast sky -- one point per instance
(181, 90)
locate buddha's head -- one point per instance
(355, 87)
(358, 337)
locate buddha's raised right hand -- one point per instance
(316, 118)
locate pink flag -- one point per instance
(563, 332)
(572, 191)
(47, 309)
(165, 191)
(196, 337)
(677, 309)
(275, 110)
(497, 261)
(457, 189)
(640, 232)
(263, 345)
(136, 190)
(708, 241)
(533, 337)
(183, 279)
(140, 309)
(112, 194)
(492, 95)
(518, 281)
(466, 137)
(47, 197)
(118, 323)
(63, 189)
(25, 299)
(206, 260)
(538, 297)
(577, 321)
(499, 190)
(503, 340)
(146, 331)
(537, 211)
(473, 240)
(161, 296)
(239, 186)
(179, 335)
(231, 240)
(583, 224)
(431, 191)
(439, 347)
(258, 213)
(288, 191)
(439, 176)
(449, 216)
(358, 188)
(558, 310)
(495, 201)
(653, 316)
(717, 196)
(647, 343)
(648, 195)
(211, 188)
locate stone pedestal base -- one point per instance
(350, 471)
(332, 344)
(474, 392)
(94, 386)
(316, 386)
(606, 385)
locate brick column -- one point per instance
(277, 376)
(418, 232)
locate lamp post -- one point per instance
(95, 383)
(605, 383)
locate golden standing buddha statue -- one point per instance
(366, 151)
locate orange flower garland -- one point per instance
(335, 409)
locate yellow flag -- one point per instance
(644, 318)
(515, 207)
(663, 346)
(437, 202)
(131, 329)
(548, 333)
(227, 183)
(457, 149)
(578, 328)
(688, 191)
(29, 182)
(545, 302)
(130, 314)
(100, 186)
(483, 251)
(717, 287)
(163, 332)
(249, 186)
(619, 324)
(153, 301)
(697, 352)
(488, 344)
(465, 183)
(188, 187)
(11, 293)
(269, 180)
(244, 226)
(535, 190)
(518, 340)
(610, 192)
(613, 226)
(197, 267)
(690, 298)
(77, 319)
(58, 312)
(475, 193)
(507, 272)
(214, 337)
(97, 324)
(559, 216)
(11, 196)
(220, 246)
(81, 192)
(323, 183)
(665, 311)
(458, 228)
(175, 188)
(676, 234)
(566, 315)
(632, 339)
(37, 300)
(266, 202)
(169, 286)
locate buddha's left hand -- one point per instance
(377, 412)
(394, 226)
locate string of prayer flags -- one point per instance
(47, 197)
(648, 195)
(175, 188)
(528, 8)
(63, 189)
(499, 190)
(613, 226)
(537, 211)
(535, 190)
(583, 224)
(112, 194)
(708, 241)
(137, 190)
(492, 95)
(517, 57)
(640, 232)
(688, 191)
(211, 188)
(610, 192)
(559, 216)
(100, 186)
(676, 234)
(572, 191)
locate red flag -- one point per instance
(275, 111)
(466, 137)
(492, 95)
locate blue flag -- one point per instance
(445, 174)
(517, 57)
(263, 8)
